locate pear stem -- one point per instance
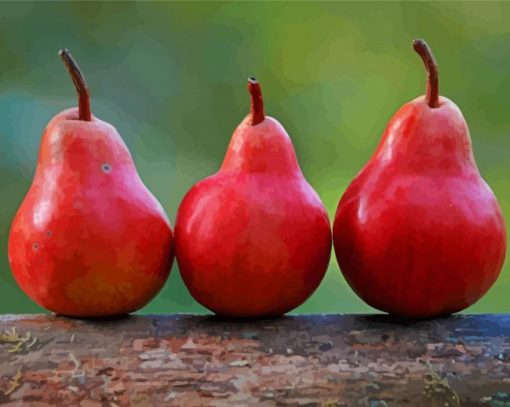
(422, 48)
(257, 103)
(80, 83)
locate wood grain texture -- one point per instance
(330, 360)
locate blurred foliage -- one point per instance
(171, 78)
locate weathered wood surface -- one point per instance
(344, 360)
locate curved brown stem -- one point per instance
(84, 112)
(257, 103)
(422, 48)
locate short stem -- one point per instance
(257, 103)
(422, 48)
(80, 84)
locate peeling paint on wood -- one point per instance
(328, 360)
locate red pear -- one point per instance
(253, 239)
(89, 238)
(418, 232)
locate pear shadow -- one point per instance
(99, 319)
(390, 319)
(218, 318)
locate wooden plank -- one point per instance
(333, 360)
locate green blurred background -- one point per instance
(171, 78)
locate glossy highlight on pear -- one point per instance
(253, 240)
(89, 239)
(418, 232)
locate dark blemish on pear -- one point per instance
(48, 233)
(106, 168)
(35, 246)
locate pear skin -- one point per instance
(254, 239)
(419, 233)
(89, 240)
